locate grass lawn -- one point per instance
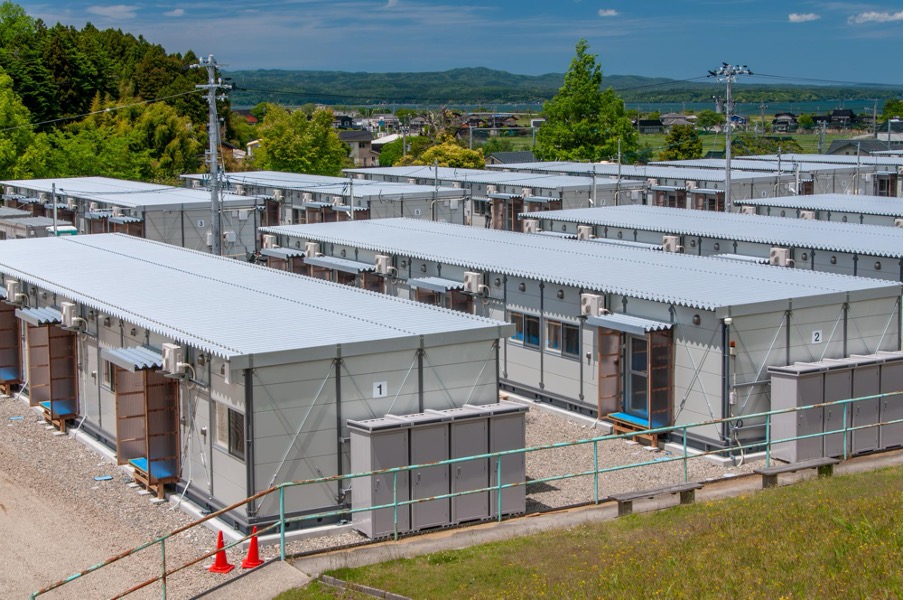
(838, 537)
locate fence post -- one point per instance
(395, 505)
(163, 566)
(282, 523)
(844, 420)
(499, 488)
(684, 450)
(768, 438)
(596, 474)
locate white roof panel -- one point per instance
(865, 205)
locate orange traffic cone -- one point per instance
(253, 559)
(220, 565)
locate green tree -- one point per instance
(806, 122)
(582, 122)
(392, 152)
(746, 144)
(893, 109)
(295, 143)
(16, 133)
(710, 119)
(682, 143)
(497, 144)
(447, 153)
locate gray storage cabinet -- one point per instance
(797, 385)
(428, 442)
(379, 444)
(468, 436)
(837, 386)
(865, 382)
(891, 376)
(506, 420)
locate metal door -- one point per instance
(890, 406)
(469, 438)
(429, 443)
(389, 450)
(865, 412)
(507, 433)
(837, 387)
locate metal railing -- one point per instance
(496, 458)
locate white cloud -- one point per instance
(608, 12)
(802, 17)
(874, 17)
(178, 12)
(117, 11)
(391, 3)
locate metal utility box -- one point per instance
(428, 442)
(797, 385)
(379, 444)
(468, 435)
(506, 420)
(865, 382)
(836, 386)
(891, 377)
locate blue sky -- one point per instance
(837, 41)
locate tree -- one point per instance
(295, 143)
(893, 109)
(806, 122)
(582, 122)
(497, 144)
(710, 119)
(448, 154)
(16, 133)
(392, 153)
(746, 144)
(682, 143)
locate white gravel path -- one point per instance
(55, 519)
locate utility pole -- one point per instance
(56, 232)
(728, 73)
(762, 119)
(618, 176)
(351, 197)
(213, 85)
(435, 190)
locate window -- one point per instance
(110, 375)
(527, 329)
(230, 434)
(563, 338)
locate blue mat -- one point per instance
(630, 419)
(63, 408)
(161, 469)
(9, 374)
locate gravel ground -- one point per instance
(58, 519)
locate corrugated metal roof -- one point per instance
(482, 176)
(7, 212)
(137, 358)
(230, 308)
(128, 194)
(340, 264)
(869, 240)
(708, 283)
(873, 159)
(43, 315)
(628, 323)
(743, 164)
(866, 205)
(436, 284)
(634, 172)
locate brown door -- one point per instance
(609, 358)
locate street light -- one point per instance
(728, 73)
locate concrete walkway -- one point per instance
(277, 577)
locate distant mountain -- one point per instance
(487, 86)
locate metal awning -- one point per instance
(125, 220)
(59, 205)
(133, 359)
(541, 199)
(668, 188)
(503, 196)
(558, 234)
(743, 258)
(338, 264)
(98, 214)
(40, 316)
(626, 243)
(347, 208)
(313, 205)
(436, 284)
(628, 324)
(12, 197)
(706, 191)
(283, 253)
(24, 200)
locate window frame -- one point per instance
(229, 437)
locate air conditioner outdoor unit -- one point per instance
(748, 210)
(382, 264)
(278, 195)
(71, 203)
(196, 184)
(311, 249)
(12, 290)
(591, 305)
(473, 282)
(337, 200)
(491, 189)
(240, 189)
(268, 241)
(117, 211)
(585, 232)
(634, 195)
(92, 207)
(412, 181)
(42, 196)
(456, 184)
(307, 197)
(899, 222)
(68, 314)
(690, 185)
(808, 215)
(531, 226)
(652, 181)
(209, 239)
(229, 237)
(173, 358)
(671, 243)
(525, 192)
(780, 256)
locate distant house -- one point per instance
(737, 120)
(863, 147)
(508, 158)
(343, 122)
(843, 118)
(669, 120)
(360, 143)
(784, 122)
(649, 125)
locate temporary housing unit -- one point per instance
(496, 198)
(227, 377)
(658, 337)
(847, 248)
(174, 215)
(18, 227)
(880, 174)
(866, 210)
(7, 212)
(301, 198)
(677, 187)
